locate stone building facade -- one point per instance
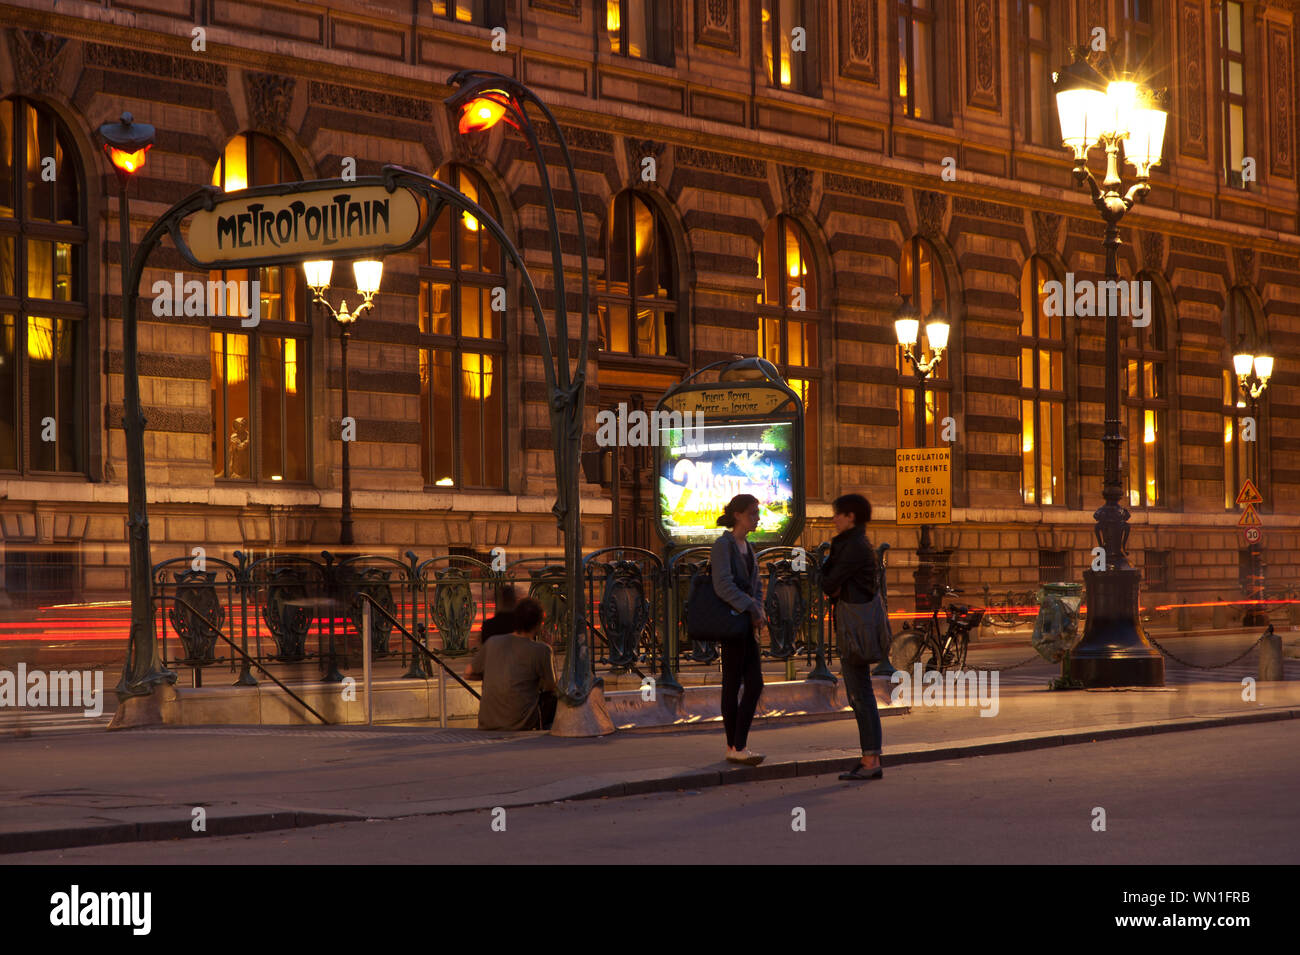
(724, 149)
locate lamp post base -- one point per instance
(1114, 650)
(589, 718)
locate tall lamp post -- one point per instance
(907, 326)
(480, 101)
(368, 273)
(1113, 113)
(1253, 373)
(126, 143)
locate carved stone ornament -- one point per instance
(717, 24)
(639, 149)
(269, 98)
(1153, 251)
(796, 187)
(36, 57)
(1047, 226)
(1281, 92)
(1191, 115)
(983, 78)
(858, 40)
(1244, 260)
(930, 210)
(720, 162)
(572, 8)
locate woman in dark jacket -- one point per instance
(851, 574)
(743, 591)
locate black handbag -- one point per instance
(862, 631)
(709, 618)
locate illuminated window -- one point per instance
(1138, 38)
(484, 13)
(259, 376)
(920, 278)
(916, 58)
(787, 66)
(639, 28)
(1146, 406)
(789, 315)
(1232, 89)
(1042, 392)
(1241, 333)
(462, 347)
(42, 293)
(1036, 72)
(637, 311)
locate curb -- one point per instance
(817, 767)
(172, 829)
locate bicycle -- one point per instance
(947, 649)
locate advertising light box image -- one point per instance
(701, 469)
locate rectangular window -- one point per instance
(1232, 91)
(436, 417)
(8, 393)
(1155, 571)
(42, 578)
(641, 29)
(916, 58)
(936, 409)
(1052, 567)
(1037, 90)
(784, 56)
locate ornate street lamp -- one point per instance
(907, 328)
(1253, 373)
(368, 274)
(126, 144)
(481, 100)
(1115, 113)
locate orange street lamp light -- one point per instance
(125, 143)
(483, 110)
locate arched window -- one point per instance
(1042, 391)
(1242, 332)
(638, 298)
(1146, 406)
(789, 313)
(462, 346)
(260, 416)
(42, 293)
(920, 279)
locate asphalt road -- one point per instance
(1217, 797)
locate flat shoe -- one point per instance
(860, 773)
(747, 757)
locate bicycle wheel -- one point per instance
(906, 649)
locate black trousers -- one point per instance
(740, 664)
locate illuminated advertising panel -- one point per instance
(701, 469)
(742, 435)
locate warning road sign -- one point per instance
(1249, 518)
(1249, 494)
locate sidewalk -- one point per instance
(138, 785)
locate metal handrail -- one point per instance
(418, 643)
(199, 614)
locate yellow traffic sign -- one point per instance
(923, 480)
(1249, 518)
(1249, 494)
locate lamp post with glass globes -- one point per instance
(907, 326)
(368, 274)
(1253, 373)
(1113, 112)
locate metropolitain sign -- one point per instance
(331, 219)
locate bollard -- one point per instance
(1270, 658)
(1220, 620)
(365, 660)
(1184, 619)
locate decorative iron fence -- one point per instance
(296, 609)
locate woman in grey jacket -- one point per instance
(736, 582)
